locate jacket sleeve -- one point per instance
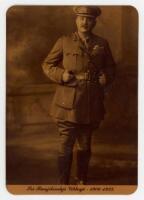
(109, 64)
(51, 64)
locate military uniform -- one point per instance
(78, 104)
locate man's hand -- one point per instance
(67, 76)
(102, 79)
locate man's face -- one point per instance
(85, 24)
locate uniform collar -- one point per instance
(76, 36)
(92, 37)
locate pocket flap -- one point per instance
(73, 52)
(64, 96)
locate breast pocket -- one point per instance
(73, 60)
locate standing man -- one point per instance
(82, 66)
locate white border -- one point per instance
(4, 5)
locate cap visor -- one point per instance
(85, 15)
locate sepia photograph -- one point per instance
(71, 99)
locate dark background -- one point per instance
(32, 137)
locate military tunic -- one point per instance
(79, 101)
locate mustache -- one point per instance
(84, 26)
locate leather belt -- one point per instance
(86, 76)
(83, 76)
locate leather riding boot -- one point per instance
(83, 158)
(64, 165)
